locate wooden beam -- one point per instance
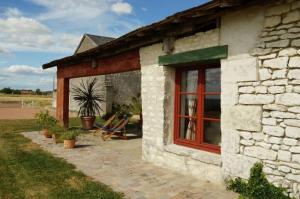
(123, 62)
(201, 56)
(62, 101)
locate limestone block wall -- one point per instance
(158, 85)
(273, 136)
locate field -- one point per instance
(22, 106)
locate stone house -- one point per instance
(117, 88)
(220, 87)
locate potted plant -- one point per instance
(69, 138)
(88, 97)
(45, 121)
(56, 131)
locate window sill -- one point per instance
(202, 156)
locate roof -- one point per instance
(179, 24)
(99, 40)
(96, 39)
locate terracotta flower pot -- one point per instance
(88, 122)
(69, 144)
(45, 132)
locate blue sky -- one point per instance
(34, 32)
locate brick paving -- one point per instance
(118, 164)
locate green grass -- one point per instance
(26, 171)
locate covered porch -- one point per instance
(85, 67)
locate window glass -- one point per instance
(213, 80)
(212, 132)
(189, 81)
(187, 128)
(212, 108)
(188, 105)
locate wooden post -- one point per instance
(62, 101)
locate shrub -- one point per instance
(88, 97)
(45, 120)
(56, 130)
(257, 186)
(70, 134)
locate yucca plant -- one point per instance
(88, 97)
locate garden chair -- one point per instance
(118, 130)
(107, 124)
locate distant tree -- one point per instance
(7, 90)
(38, 91)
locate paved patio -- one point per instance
(118, 164)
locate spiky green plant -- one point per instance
(88, 97)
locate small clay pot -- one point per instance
(88, 122)
(69, 144)
(45, 132)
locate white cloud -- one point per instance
(27, 34)
(122, 8)
(23, 69)
(12, 12)
(26, 77)
(144, 9)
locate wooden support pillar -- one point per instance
(62, 101)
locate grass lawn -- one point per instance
(26, 171)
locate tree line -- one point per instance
(8, 90)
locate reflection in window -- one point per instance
(212, 132)
(189, 81)
(212, 80)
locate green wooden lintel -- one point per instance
(204, 55)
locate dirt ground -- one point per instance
(17, 113)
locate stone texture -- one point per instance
(287, 52)
(277, 10)
(294, 62)
(279, 44)
(247, 118)
(275, 107)
(259, 152)
(295, 43)
(294, 74)
(276, 89)
(256, 99)
(246, 135)
(291, 122)
(289, 141)
(284, 155)
(295, 109)
(275, 140)
(288, 99)
(295, 149)
(273, 130)
(269, 121)
(261, 89)
(246, 89)
(293, 132)
(277, 74)
(279, 114)
(277, 63)
(272, 21)
(264, 74)
(290, 17)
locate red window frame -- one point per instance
(198, 143)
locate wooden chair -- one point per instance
(107, 124)
(118, 130)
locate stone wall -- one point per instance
(273, 136)
(158, 85)
(115, 88)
